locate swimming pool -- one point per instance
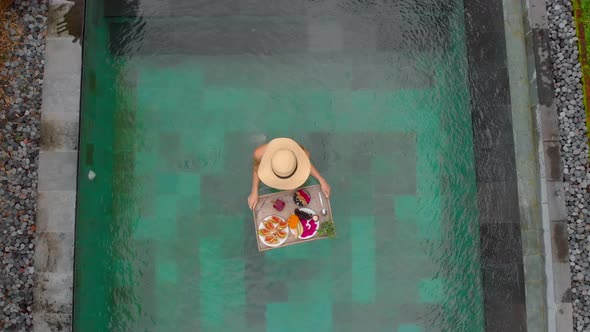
(175, 97)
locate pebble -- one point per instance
(573, 139)
(18, 163)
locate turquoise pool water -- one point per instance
(176, 95)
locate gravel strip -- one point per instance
(574, 144)
(19, 148)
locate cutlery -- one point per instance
(324, 211)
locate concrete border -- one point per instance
(58, 157)
(553, 248)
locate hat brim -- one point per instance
(269, 178)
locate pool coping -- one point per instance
(58, 169)
(540, 178)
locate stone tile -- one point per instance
(559, 241)
(492, 125)
(503, 283)
(556, 201)
(276, 8)
(63, 60)
(46, 322)
(61, 94)
(562, 282)
(53, 293)
(326, 36)
(359, 34)
(488, 48)
(553, 160)
(564, 317)
(549, 123)
(492, 84)
(117, 8)
(537, 15)
(56, 211)
(535, 319)
(59, 131)
(412, 32)
(505, 317)
(157, 37)
(61, 84)
(500, 243)
(531, 242)
(534, 268)
(544, 66)
(535, 295)
(495, 164)
(54, 252)
(498, 202)
(57, 170)
(237, 36)
(484, 16)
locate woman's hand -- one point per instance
(252, 200)
(325, 188)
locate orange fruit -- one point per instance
(293, 221)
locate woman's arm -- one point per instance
(316, 174)
(257, 156)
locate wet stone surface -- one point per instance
(19, 146)
(574, 144)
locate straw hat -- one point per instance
(284, 165)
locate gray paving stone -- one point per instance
(62, 59)
(562, 283)
(57, 170)
(56, 211)
(553, 160)
(559, 241)
(46, 322)
(61, 95)
(54, 252)
(564, 320)
(549, 126)
(533, 270)
(59, 131)
(61, 83)
(53, 293)
(531, 242)
(556, 201)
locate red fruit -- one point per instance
(309, 228)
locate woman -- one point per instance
(282, 164)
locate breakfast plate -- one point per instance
(302, 224)
(272, 231)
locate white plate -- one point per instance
(310, 211)
(261, 226)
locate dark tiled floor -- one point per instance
(500, 236)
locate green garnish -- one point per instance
(327, 228)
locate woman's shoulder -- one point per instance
(259, 152)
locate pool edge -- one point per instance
(58, 169)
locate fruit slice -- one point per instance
(264, 232)
(269, 225)
(281, 234)
(293, 221)
(282, 225)
(275, 220)
(310, 228)
(299, 229)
